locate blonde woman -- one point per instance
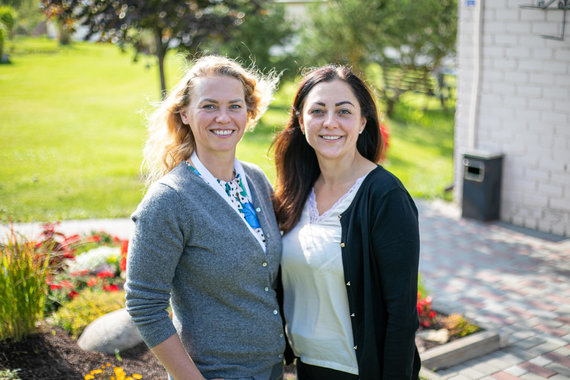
(206, 239)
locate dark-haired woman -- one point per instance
(351, 240)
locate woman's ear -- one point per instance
(362, 125)
(184, 117)
(301, 125)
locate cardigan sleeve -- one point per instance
(395, 239)
(154, 251)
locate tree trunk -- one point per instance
(64, 35)
(160, 54)
(390, 103)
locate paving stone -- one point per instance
(448, 372)
(559, 368)
(471, 373)
(564, 319)
(563, 351)
(548, 346)
(507, 357)
(558, 358)
(538, 370)
(558, 377)
(524, 334)
(486, 369)
(522, 354)
(530, 342)
(531, 376)
(550, 330)
(540, 361)
(504, 376)
(516, 370)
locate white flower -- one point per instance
(93, 258)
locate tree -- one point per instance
(264, 39)
(407, 38)
(338, 32)
(181, 24)
(8, 19)
(7, 22)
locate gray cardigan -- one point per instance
(190, 247)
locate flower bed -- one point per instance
(83, 267)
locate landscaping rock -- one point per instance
(440, 336)
(111, 332)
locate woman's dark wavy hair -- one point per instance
(295, 160)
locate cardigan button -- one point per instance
(355, 348)
(342, 245)
(258, 209)
(348, 283)
(353, 315)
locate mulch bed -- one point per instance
(53, 355)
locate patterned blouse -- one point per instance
(239, 198)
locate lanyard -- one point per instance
(211, 180)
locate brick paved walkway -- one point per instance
(504, 279)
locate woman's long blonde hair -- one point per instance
(170, 141)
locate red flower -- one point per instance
(105, 273)
(124, 247)
(67, 284)
(54, 286)
(385, 137)
(94, 238)
(79, 273)
(92, 282)
(69, 255)
(72, 294)
(111, 288)
(123, 264)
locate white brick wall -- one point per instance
(523, 109)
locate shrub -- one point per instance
(87, 306)
(458, 325)
(1, 44)
(95, 258)
(8, 17)
(10, 374)
(23, 273)
(95, 261)
(425, 312)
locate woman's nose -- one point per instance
(222, 117)
(330, 120)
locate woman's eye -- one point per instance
(208, 106)
(316, 112)
(344, 112)
(235, 106)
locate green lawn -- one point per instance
(72, 131)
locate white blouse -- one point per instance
(315, 301)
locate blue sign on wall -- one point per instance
(470, 3)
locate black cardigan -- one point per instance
(380, 253)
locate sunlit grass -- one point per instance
(72, 130)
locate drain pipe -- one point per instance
(475, 83)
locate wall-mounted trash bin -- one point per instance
(482, 174)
